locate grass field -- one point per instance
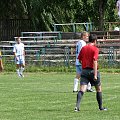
(48, 96)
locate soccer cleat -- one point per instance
(21, 75)
(91, 90)
(76, 109)
(75, 91)
(103, 109)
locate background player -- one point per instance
(82, 42)
(19, 54)
(118, 7)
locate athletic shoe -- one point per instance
(75, 91)
(21, 75)
(76, 109)
(103, 109)
(91, 90)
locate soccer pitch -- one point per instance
(49, 96)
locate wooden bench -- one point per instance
(108, 40)
(42, 34)
(106, 34)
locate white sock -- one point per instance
(89, 86)
(75, 84)
(21, 70)
(18, 72)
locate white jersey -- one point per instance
(19, 49)
(79, 46)
(118, 5)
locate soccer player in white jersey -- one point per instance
(79, 45)
(118, 7)
(19, 54)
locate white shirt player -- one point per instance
(118, 7)
(79, 46)
(19, 49)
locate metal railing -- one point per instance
(87, 25)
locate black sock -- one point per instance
(99, 99)
(79, 96)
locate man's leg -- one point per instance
(99, 97)
(77, 78)
(79, 96)
(89, 88)
(21, 70)
(22, 65)
(17, 69)
(75, 87)
(17, 61)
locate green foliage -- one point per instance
(110, 70)
(103, 66)
(9, 67)
(31, 68)
(109, 64)
(44, 13)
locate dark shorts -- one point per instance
(87, 76)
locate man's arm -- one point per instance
(14, 51)
(15, 56)
(95, 63)
(95, 70)
(80, 56)
(23, 50)
(24, 53)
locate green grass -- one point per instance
(48, 96)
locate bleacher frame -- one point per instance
(36, 51)
(88, 26)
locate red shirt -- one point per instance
(87, 55)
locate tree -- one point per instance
(44, 13)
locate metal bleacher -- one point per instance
(48, 49)
(45, 50)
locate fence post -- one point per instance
(66, 56)
(74, 28)
(55, 27)
(43, 53)
(91, 27)
(87, 27)
(111, 56)
(37, 55)
(60, 35)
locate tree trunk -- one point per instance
(101, 14)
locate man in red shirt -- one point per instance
(88, 57)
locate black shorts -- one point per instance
(87, 76)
